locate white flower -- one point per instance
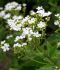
(36, 34)
(11, 5)
(41, 24)
(2, 13)
(39, 8)
(29, 38)
(20, 17)
(56, 22)
(57, 15)
(58, 44)
(17, 38)
(6, 16)
(22, 36)
(17, 45)
(9, 36)
(25, 31)
(2, 42)
(47, 14)
(32, 20)
(13, 24)
(43, 13)
(5, 47)
(25, 19)
(24, 4)
(32, 12)
(30, 31)
(10, 22)
(17, 17)
(24, 44)
(18, 7)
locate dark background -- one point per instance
(52, 5)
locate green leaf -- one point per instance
(2, 33)
(51, 50)
(54, 38)
(46, 67)
(51, 44)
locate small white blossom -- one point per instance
(17, 38)
(56, 22)
(22, 36)
(2, 13)
(46, 14)
(17, 45)
(9, 36)
(32, 20)
(25, 19)
(41, 24)
(2, 42)
(29, 38)
(32, 12)
(57, 15)
(24, 44)
(58, 44)
(36, 34)
(18, 7)
(24, 4)
(6, 16)
(25, 31)
(39, 8)
(17, 17)
(5, 47)
(42, 12)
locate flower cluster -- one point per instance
(27, 27)
(57, 21)
(13, 5)
(4, 46)
(42, 12)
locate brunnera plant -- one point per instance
(23, 39)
